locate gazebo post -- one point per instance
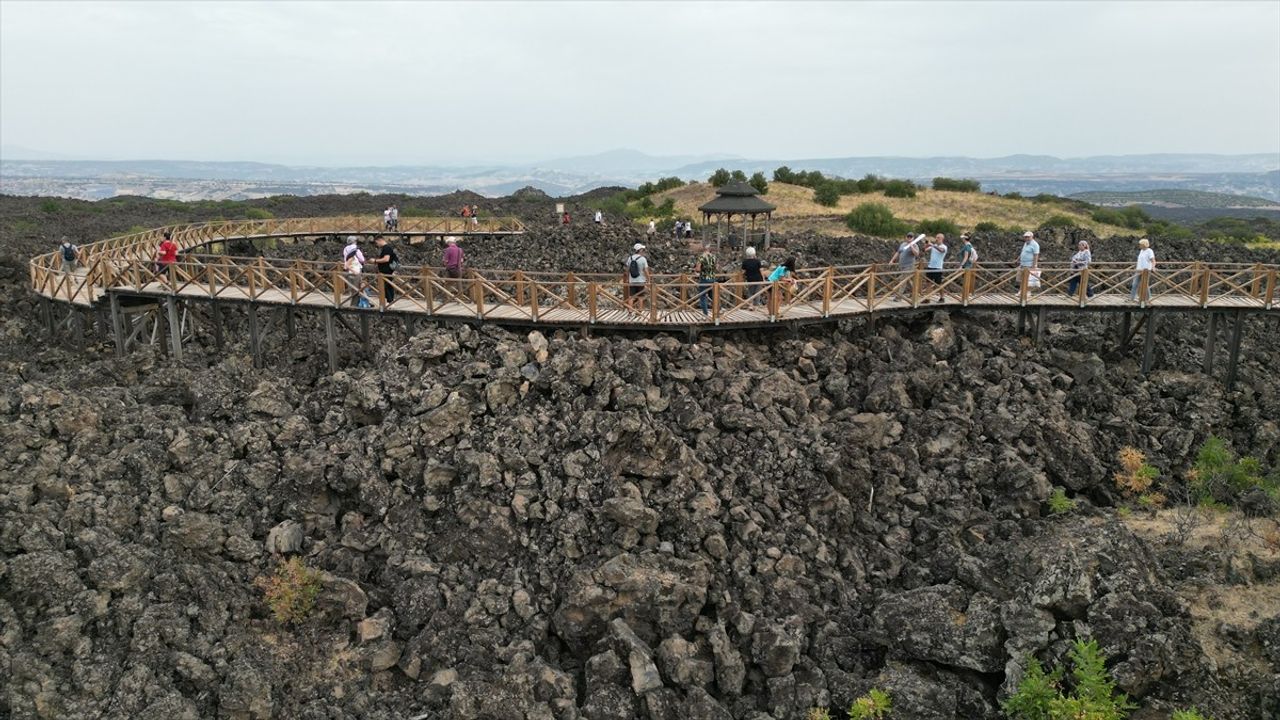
(768, 225)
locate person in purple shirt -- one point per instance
(453, 260)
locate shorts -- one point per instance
(935, 276)
(635, 289)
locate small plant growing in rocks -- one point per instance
(1041, 696)
(1220, 478)
(1059, 503)
(872, 706)
(818, 713)
(1135, 475)
(291, 592)
(1190, 714)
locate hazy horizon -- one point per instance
(372, 84)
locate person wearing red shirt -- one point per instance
(166, 254)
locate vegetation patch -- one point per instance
(291, 592)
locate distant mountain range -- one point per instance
(24, 172)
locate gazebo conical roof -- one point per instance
(736, 198)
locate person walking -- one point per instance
(564, 219)
(353, 264)
(386, 218)
(752, 275)
(70, 255)
(452, 258)
(395, 218)
(905, 256)
(653, 228)
(1146, 262)
(475, 216)
(937, 256)
(599, 218)
(968, 253)
(1029, 261)
(636, 279)
(705, 269)
(166, 254)
(387, 262)
(1079, 262)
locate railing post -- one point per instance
(293, 283)
(1255, 287)
(427, 290)
(915, 288)
(253, 273)
(338, 282)
(519, 287)
(571, 290)
(1204, 285)
(715, 303)
(1271, 290)
(827, 286)
(381, 284)
(591, 302)
(477, 293)
(684, 288)
(533, 300)
(871, 288)
(1082, 292)
(653, 301)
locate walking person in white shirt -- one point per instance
(1146, 261)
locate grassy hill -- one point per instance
(1175, 198)
(796, 207)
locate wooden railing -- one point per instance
(126, 263)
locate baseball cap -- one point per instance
(1028, 234)
(638, 247)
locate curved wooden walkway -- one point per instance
(122, 268)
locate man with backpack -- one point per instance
(387, 262)
(70, 255)
(705, 269)
(637, 276)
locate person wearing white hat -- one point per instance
(1029, 261)
(637, 275)
(1146, 261)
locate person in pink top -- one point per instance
(166, 254)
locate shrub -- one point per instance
(874, 219)
(662, 185)
(942, 225)
(817, 713)
(738, 176)
(1014, 195)
(872, 706)
(870, 183)
(953, 185)
(827, 195)
(1132, 217)
(1135, 475)
(1058, 221)
(758, 182)
(784, 174)
(258, 214)
(1218, 477)
(291, 592)
(720, 178)
(900, 189)
(1164, 230)
(1059, 503)
(1190, 714)
(50, 206)
(986, 226)
(1040, 695)
(666, 209)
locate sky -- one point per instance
(452, 83)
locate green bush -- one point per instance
(900, 189)
(758, 182)
(1132, 217)
(258, 214)
(826, 194)
(738, 176)
(1058, 221)
(986, 226)
(720, 178)
(1218, 477)
(1040, 695)
(784, 175)
(666, 209)
(50, 206)
(941, 225)
(1059, 503)
(953, 185)
(874, 219)
(870, 183)
(1189, 714)
(1240, 229)
(874, 705)
(1014, 196)
(1165, 230)
(662, 185)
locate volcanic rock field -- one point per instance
(546, 526)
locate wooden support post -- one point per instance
(217, 324)
(477, 295)
(255, 341)
(871, 289)
(1126, 319)
(117, 324)
(1210, 343)
(827, 286)
(46, 309)
(592, 289)
(915, 288)
(715, 303)
(1041, 315)
(1022, 322)
(571, 290)
(653, 300)
(290, 326)
(331, 340)
(175, 327)
(1204, 285)
(1270, 297)
(1149, 343)
(364, 331)
(1233, 356)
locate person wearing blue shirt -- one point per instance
(1029, 261)
(937, 254)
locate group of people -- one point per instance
(386, 261)
(934, 253)
(471, 212)
(391, 218)
(707, 271)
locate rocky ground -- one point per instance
(512, 525)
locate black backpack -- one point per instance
(68, 251)
(635, 266)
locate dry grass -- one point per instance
(965, 209)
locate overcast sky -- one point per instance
(354, 83)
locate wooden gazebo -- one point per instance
(737, 198)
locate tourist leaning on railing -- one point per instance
(1079, 262)
(1147, 262)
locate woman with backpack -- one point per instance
(70, 255)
